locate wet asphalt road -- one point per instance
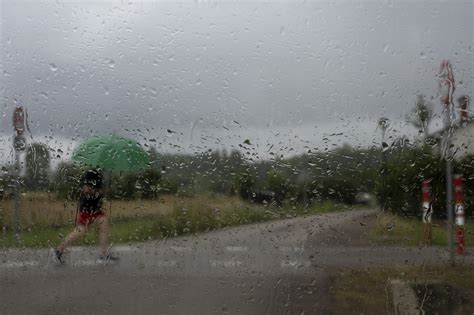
(279, 267)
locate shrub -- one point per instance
(405, 172)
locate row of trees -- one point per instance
(338, 174)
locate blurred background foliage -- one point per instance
(339, 175)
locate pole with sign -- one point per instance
(459, 211)
(446, 89)
(427, 209)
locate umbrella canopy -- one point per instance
(112, 153)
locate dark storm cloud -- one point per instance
(216, 70)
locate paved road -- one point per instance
(278, 267)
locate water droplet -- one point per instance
(110, 63)
(282, 31)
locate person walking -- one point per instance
(89, 210)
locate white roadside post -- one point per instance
(427, 209)
(459, 209)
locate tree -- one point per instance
(37, 166)
(67, 181)
(235, 161)
(244, 183)
(148, 183)
(407, 166)
(6, 178)
(420, 116)
(277, 182)
(154, 158)
(303, 182)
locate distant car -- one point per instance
(363, 198)
(267, 198)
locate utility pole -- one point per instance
(383, 123)
(446, 87)
(19, 145)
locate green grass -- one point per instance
(365, 291)
(196, 219)
(394, 230)
(122, 231)
(191, 218)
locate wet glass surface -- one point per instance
(295, 157)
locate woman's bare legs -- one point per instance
(78, 232)
(103, 235)
(81, 230)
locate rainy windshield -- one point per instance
(236, 157)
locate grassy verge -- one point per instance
(197, 219)
(44, 209)
(365, 291)
(186, 216)
(122, 231)
(394, 230)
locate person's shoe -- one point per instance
(58, 256)
(109, 258)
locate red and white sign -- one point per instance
(446, 83)
(458, 200)
(463, 107)
(19, 120)
(459, 211)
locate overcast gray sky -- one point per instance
(289, 75)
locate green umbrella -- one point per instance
(112, 153)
